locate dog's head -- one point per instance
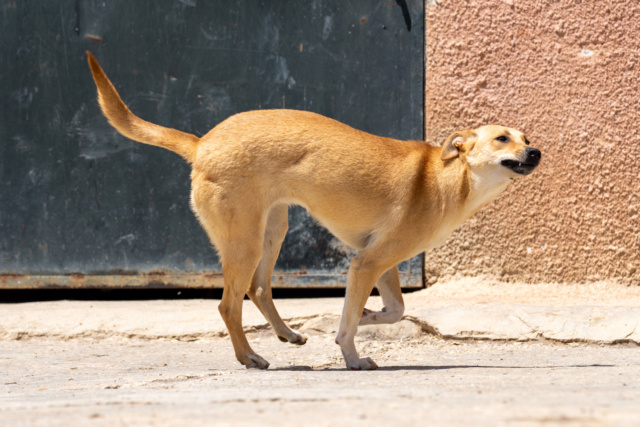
(498, 151)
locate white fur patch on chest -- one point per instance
(480, 196)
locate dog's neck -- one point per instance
(483, 191)
(465, 192)
(454, 183)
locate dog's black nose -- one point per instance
(533, 155)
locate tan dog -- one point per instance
(389, 199)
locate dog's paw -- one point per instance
(366, 312)
(294, 337)
(379, 317)
(254, 361)
(365, 364)
(368, 317)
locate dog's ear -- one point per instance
(451, 147)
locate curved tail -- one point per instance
(131, 126)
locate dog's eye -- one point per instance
(502, 138)
(526, 141)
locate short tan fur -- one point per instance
(389, 199)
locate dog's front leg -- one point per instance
(363, 273)
(389, 287)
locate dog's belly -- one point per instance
(354, 234)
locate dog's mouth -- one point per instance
(521, 168)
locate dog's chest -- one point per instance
(451, 221)
(441, 234)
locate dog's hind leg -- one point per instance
(236, 226)
(240, 257)
(237, 234)
(260, 290)
(389, 287)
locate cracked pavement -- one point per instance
(467, 352)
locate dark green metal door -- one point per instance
(82, 206)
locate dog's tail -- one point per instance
(131, 126)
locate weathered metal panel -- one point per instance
(162, 279)
(78, 200)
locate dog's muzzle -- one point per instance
(526, 166)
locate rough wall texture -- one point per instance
(567, 73)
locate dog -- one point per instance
(389, 199)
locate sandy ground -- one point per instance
(426, 381)
(168, 363)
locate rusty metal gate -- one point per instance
(81, 206)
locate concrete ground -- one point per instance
(469, 352)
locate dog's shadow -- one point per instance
(436, 367)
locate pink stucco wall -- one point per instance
(567, 73)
